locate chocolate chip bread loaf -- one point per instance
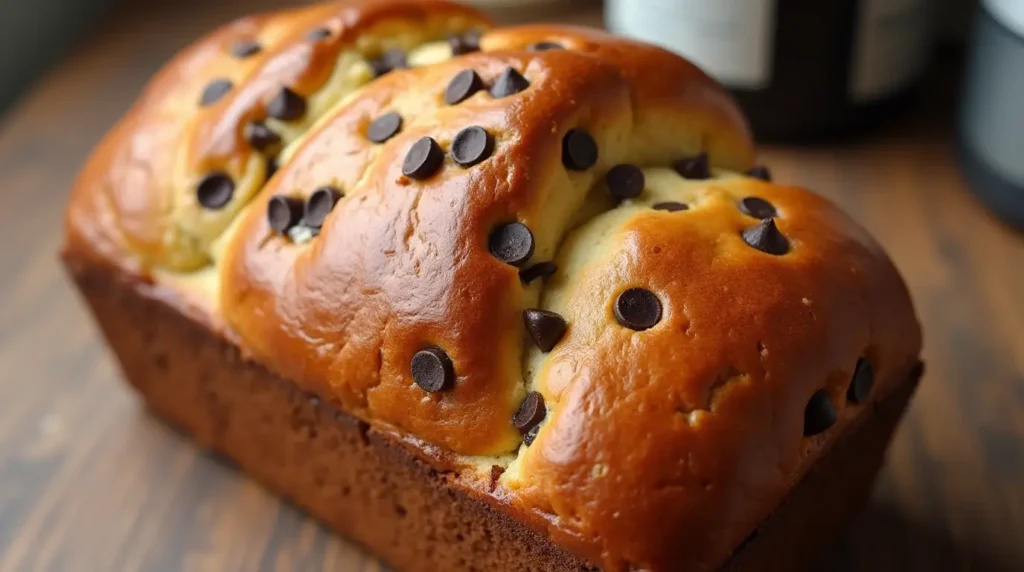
(493, 299)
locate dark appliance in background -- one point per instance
(990, 128)
(801, 69)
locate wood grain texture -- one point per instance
(89, 481)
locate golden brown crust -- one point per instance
(659, 446)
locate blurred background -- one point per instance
(907, 113)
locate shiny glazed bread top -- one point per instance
(541, 248)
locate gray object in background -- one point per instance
(34, 33)
(991, 123)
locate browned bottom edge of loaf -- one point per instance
(374, 491)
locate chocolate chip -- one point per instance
(432, 370)
(272, 167)
(384, 127)
(392, 59)
(625, 181)
(510, 82)
(670, 206)
(245, 48)
(318, 34)
(757, 207)
(283, 213)
(319, 205)
(767, 238)
(464, 44)
(862, 382)
(637, 309)
(579, 150)
(512, 243)
(286, 105)
(423, 159)
(760, 172)
(462, 86)
(214, 91)
(260, 137)
(530, 413)
(695, 167)
(215, 190)
(545, 328)
(545, 46)
(471, 145)
(531, 435)
(820, 414)
(539, 270)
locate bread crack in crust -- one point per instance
(541, 257)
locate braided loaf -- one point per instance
(542, 249)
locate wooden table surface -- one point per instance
(89, 481)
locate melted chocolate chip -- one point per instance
(390, 60)
(245, 48)
(318, 34)
(760, 172)
(757, 207)
(319, 205)
(283, 213)
(670, 206)
(695, 167)
(545, 46)
(423, 159)
(215, 190)
(432, 370)
(512, 243)
(462, 86)
(286, 105)
(464, 44)
(471, 145)
(579, 150)
(510, 82)
(625, 181)
(545, 328)
(539, 270)
(767, 238)
(637, 309)
(214, 91)
(862, 382)
(820, 413)
(260, 137)
(384, 127)
(530, 413)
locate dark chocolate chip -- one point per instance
(214, 91)
(392, 59)
(432, 370)
(545, 46)
(695, 167)
(423, 159)
(625, 181)
(767, 238)
(530, 413)
(670, 206)
(283, 213)
(384, 127)
(286, 105)
(464, 44)
(245, 48)
(545, 328)
(318, 34)
(539, 270)
(319, 205)
(512, 243)
(215, 190)
(820, 413)
(462, 86)
(510, 82)
(579, 150)
(760, 172)
(862, 382)
(637, 309)
(471, 145)
(531, 435)
(260, 137)
(757, 207)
